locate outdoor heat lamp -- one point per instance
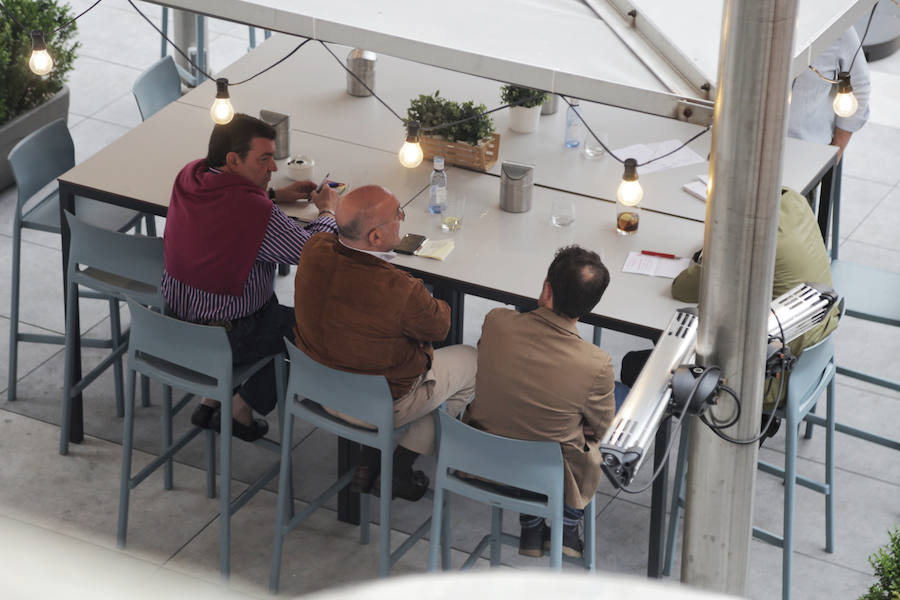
(667, 386)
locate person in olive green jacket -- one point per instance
(800, 257)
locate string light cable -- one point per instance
(845, 103)
(40, 62)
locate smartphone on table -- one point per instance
(410, 243)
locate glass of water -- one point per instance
(562, 213)
(591, 148)
(452, 216)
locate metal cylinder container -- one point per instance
(516, 187)
(282, 125)
(362, 64)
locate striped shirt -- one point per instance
(282, 243)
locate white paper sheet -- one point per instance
(645, 152)
(655, 266)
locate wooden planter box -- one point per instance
(481, 157)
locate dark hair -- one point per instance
(236, 136)
(578, 279)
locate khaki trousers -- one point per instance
(451, 379)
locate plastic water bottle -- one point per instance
(574, 126)
(437, 192)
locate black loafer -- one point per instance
(410, 487)
(202, 415)
(531, 540)
(249, 433)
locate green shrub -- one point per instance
(886, 563)
(522, 96)
(21, 89)
(434, 110)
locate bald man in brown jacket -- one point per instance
(357, 312)
(539, 380)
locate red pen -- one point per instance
(659, 254)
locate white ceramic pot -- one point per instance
(524, 120)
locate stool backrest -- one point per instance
(157, 87)
(812, 372)
(191, 357)
(128, 264)
(533, 466)
(40, 157)
(365, 397)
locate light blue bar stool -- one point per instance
(36, 162)
(197, 359)
(870, 294)
(311, 387)
(532, 466)
(157, 87)
(813, 373)
(114, 265)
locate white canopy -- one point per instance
(662, 59)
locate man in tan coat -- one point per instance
(539, 380)
(357, 312)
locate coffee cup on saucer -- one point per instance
(300, 168)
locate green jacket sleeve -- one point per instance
(686, 287)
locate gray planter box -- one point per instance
(12, 132)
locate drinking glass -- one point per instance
(562, 213)
(591, 148)
(452, 217)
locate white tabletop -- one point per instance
(311, 87)
(143, 163)
(509, 253)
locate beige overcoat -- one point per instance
(539, 380)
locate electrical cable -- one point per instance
(672, 438)
(363, 83)
(716, 429)
(55, 31)
(610, 152)
(861, 41)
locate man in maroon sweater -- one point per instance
(357, 312)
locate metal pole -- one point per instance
(736, 285)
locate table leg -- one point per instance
(658, 503)
(347, 501)
(456, 300)
(830, 190)
(76, 415)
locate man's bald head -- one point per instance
(364, 209)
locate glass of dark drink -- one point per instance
(627, 219)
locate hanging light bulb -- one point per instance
(222, 112)
(630, 191)
(39, 62)
(845, 102)
(411, 151)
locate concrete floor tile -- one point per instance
(871, 154)
(318, 553)
(131, 43)
(880, 227)
(870, 255)
(41, 293)
(30, 356)
(622, 538)
(95, 83)
(91, 136)
(858, 199)
(868, 347)
(88, 508)
(123, 111)
(885, 106)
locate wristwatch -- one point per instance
(326, 211)
(272, 194)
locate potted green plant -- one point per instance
(472, 143)
(28, 101)
(526, 114)
(886, 563)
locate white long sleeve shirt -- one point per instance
(811, 116)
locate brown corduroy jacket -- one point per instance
(358, 313)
